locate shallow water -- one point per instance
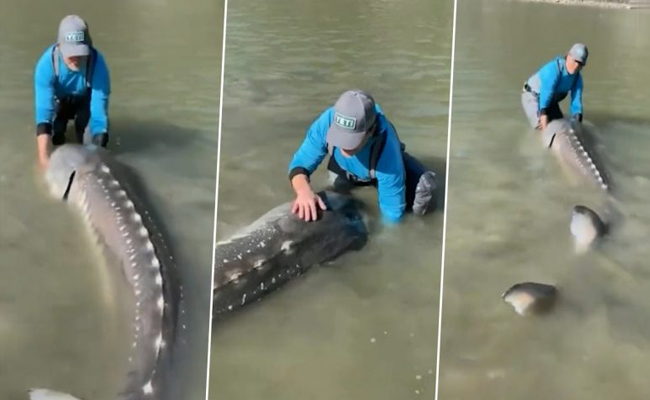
(366, 327)
(510, 204)
(59, 325)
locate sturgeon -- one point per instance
(577, 151)
(279, 246)
(574, 149)
(86, 177)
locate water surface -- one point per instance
(510, 204)
(366, 327)
(60, 325)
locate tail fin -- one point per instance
(47, 394)
(588, 227)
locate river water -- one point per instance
(59, 325)
(367, 326)
(510, 204)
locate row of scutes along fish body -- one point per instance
(587, 160)
(120, 230)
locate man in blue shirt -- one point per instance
(364, 149)
(543, 91)
(71, 81)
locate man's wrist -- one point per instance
(44, 128)
(300, 184)
(298, 171)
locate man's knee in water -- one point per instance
(425, 194)
(58, 138)
(81, 128)
(421, 186)
(340, 183)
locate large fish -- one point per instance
(577, 153)
(279, 246)
(88, 178)
(576, 150)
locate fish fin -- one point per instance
(47, 394)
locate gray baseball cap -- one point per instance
(580, 53)
(354, 115)
(74, 38)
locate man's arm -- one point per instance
(44, 107)
(43, 149)
(576, 99)
(305, 161)
(101, 91)
(391, 183)
(312, 151)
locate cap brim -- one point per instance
(74, 50)
(343, 139)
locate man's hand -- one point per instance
(543, 121)
(306, 199)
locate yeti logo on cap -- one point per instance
(345, 121)
(74, 37)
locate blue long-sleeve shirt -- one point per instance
(553, 82)
(47, 88)
(390, 173)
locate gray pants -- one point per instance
(530, 103)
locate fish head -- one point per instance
(344, 225)
(555, 127)
(345, 204)
(65, 162)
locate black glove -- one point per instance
(100, 139)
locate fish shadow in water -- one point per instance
(133, 136)
(607, 122)
(609, 128)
